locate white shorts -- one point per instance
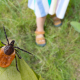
(42, 7)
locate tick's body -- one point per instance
(5, 60)
(7, 54)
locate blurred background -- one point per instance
(60, 58)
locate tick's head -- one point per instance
(12, 43)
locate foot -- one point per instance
(57, 22)
(40, 40)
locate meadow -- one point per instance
(60, 58)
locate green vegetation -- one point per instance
(60, 58)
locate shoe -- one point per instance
(57, 22)
(40, 41)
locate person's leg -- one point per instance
(61, 8)
(40, 40)
(60, 12)
(40, 23)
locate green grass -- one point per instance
(60, 58)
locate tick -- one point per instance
(8, 53)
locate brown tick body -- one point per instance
(7, 54)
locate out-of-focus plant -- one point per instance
(75, 25)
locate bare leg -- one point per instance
(40, 28)
(40, 23)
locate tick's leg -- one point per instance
(1, 46)
(6, 35)
(16, 65)
(18, 54)
(3, 43)
(23, 50)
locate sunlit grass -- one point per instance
(59, 59)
